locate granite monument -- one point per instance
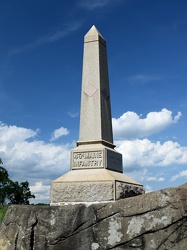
(96, 169)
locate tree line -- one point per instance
(13, 192)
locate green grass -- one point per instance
(3, 210)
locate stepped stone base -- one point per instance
(92, 186)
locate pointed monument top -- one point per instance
(94, 35)
(93, 32)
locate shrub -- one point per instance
(3, 210)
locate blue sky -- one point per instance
(41, 50)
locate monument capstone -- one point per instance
(96, 169)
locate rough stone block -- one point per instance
(125, 190)
(82, 192)
(156, 220)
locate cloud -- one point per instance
(56, 36)
(182, 174)
(95, 4)
(155, 179)
(131, 126)
(73, 114)
(41, 192)
(143, 79)
(39, 162)
(148, 189)
(39, 187)
(139, 154)
(13, 134)
(27, 158)
(57, 133)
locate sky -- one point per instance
(41, 48)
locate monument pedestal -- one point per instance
(92, 177)
(93, 185)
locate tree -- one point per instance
(4, 182)
(13, 191)
(19, 193)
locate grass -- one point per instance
(3, 210)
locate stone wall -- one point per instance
(154, 221)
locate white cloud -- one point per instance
(39, 187)
(155, 179)
(56, 36)
(27, 158)
(93, 4)
(182, 174)
(73, 113)
(41, 192)
(14, 134)
(96, 4)
(143, 79)
(148, 189)
(57, 133)
(144, 153)
(131, 126)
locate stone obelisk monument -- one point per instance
(96, 171)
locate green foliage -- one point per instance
(3, 210)
(14, 192)
(19, 193)
(4, 182)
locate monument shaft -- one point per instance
(95, 116)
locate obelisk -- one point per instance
(95, 166)
(95, 118)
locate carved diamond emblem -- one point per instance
(90, 90)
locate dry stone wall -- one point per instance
(153, 221)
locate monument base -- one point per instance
(92, 186)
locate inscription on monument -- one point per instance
(114, 160)
(88, 159)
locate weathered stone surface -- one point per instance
(125, 190)
(93, 185)
(82, 191)
(154, 221)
